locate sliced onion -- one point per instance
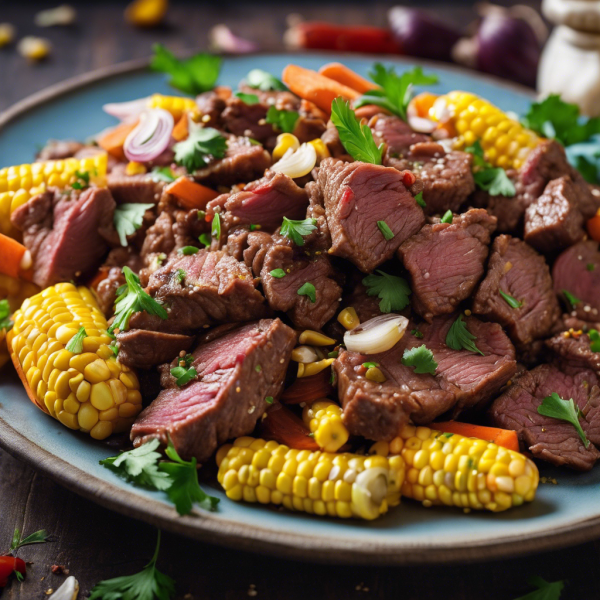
(151, 137)
(297, 163)
(222, 39)
(126, 111)
(376, 335)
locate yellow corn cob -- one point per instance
(338, 485)
(18, 184)
(505, 142)
(450, 469)
(90, 391)
(176, 105)
(324, 419)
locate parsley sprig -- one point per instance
(393, 291)
(460, 338)
(594, 336)
(201, 146)
(571, 298)
(248, 99)
(493, 180)
(184, 373)
(38, 537)
(282, 120)
(5, 322)
(555, 407)
(357, 139)
(546, 590)
(82, 180)
(296, 230)
(128, 219)
(421, 358)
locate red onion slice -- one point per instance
(126, 110)
(151, 137)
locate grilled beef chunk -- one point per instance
(462, 380)
(359, 195)
(446, 176)
(143, 349)
(396, 134)
(320, 238)
(551, 439)
(331, 139)
(243, 161)
(258, 242)
(66, 234)
(133, 189)
(200, 290)
(519, 271)
(577, 271)
(446, 261)
(59, 149)
(245, 120)
(211, 104)
(574, 352)
(236, 372)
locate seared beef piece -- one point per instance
(58, 149)
(211, 104)
(518, 270)
(236, 372)
(106, 290)
(508, 211)
(244, 120)
(160, 238)
(546, 438)
(462, 380)
(446, 261)
(331, 138)
(358, 195)
(281, 100)
(574, 352)
(320, 238)
(216, 288)
(237, 242)
(243, 161)
(143, 349)
(446, 176)
(309, 127)
(554, 221)
(134, 189)
(66, 234)
(396, 134)
(258, 242)
(577, 270)
(282, 293)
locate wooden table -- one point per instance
(96, 544)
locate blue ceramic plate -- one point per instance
(562, 514)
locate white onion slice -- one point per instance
(126, 110)
(69, 590)
(376, 335)
(151, 137)
(297, 163)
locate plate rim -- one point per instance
(214, 529)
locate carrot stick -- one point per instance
(181, 131)
(283, 426)
(320, 90)
(308, 389)
(501, 437)
(593, 227)
(16, 259)
(113, 140)
(342, 74)
(191, 194)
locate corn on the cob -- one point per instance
(88, 390)
(324, 419)
(505, 142)
(18, 184)
(450, 469)
(338, 485)
(176, 105)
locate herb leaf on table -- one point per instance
(546, 590)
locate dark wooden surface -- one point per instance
(96, 544)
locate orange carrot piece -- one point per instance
(113, 140)
(99, 277)
(317, 88)
(346, 76)
(191, 194)
(181, 130)
(283, 426)
(501, 437)
(14, 255)
(593, 227)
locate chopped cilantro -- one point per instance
(254, 227)
(387, 233)
(283, 120)
(573, 301)
(114, 349)
(205, 239)
(416, 333)
(261, 80)
(247, 98)
(215, 230)
(188, 250)
(163, 174)
(128, 218)
(5, 322)
(555, 407)
(180, 276)
(512, 302)
(82, 180)
(269, 399)
(183, 375)
(421, 358)
(258, 368)
(296, 230)
(333, 354)
(308, 289)
(594, 336)
(370, 365)
(590, 266)
(459, 337)
(277, 273)
(493, 180)
(393, 291)
(448, 217)
(419, 200)
(75, 345)
(201, 146)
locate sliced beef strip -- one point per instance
(572, 351)
(546, 438)
(59, 149)
(320, 238)
(519, 271)
(216, 288)
(66, 234)
(237, 242)
(446, 261)
(577, 270)
(143, 349)
(212, 104)
(133, 189)
(300, 267)
(248, 120)
(358, 195)
(446, 176)
(228, 396)
(396, 134)
(258, 243)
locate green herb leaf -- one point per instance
(512, 302)
(215, 229)
(557, 408)
(545, 590)
(277, 273)
(573, 300)
(205, 239)
(201, 215)
(448, 217)
(148, 584)
(132, 298)
(82, 180)
(5, 322)
(188, 250)
(201, 146)
(590, 266)
(295, 230)
(333, 354)
(393, 291)
(247, 98)
(283, 120)
(128, 219)
(419, 200)
(254, 227)
(493, 180)
(193, 75)
(185, 489)
(180, 276)
(459, 337)
(416, 333)
(421, 358)
(183, 375)
(308, 289)
(115, 349)
(387, 233)
(370, 365)
(38, 537)
(261, 80)
(75, 344)
(163, 174)
(594, 336)
(258, 368)
(357, 139)
(269, 400)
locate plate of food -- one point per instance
(361, 295)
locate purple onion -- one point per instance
(421, 34)
(126, 110)
(151, 137)
(222, 39)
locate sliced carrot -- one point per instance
(308, 389)
(317, 88)
(283, 426)
(112, 141)
(191, 194)
(593, 227)
(346, 76)
(501, 437)
(16, 259)
(181, 129)
(423, 102)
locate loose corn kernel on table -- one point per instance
(95, 543)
